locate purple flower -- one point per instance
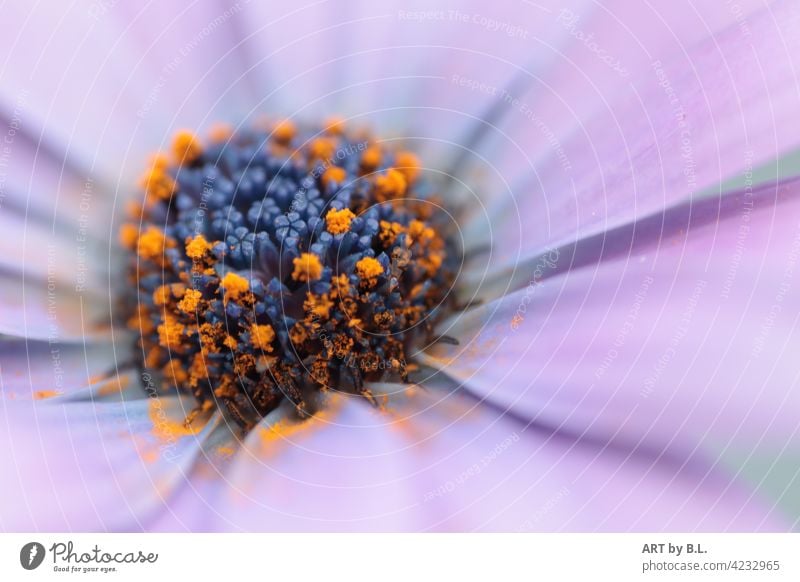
(620, 352)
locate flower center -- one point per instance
(270, 265)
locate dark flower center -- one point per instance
(274, 264)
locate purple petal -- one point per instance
(401, 67)
(194, 507)
(37, 369)
(34, 308)
(32, 249)
(63, 79)
(683, 337)
(436, 461)
(89, 467)
(692, 121)
(197, 58)
(35, 170)
(107, 83)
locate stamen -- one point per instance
(152, 244)
(369, 270)
(284, 132)
(234, 286)
(262, 336)
(391, 185)
(197, 247)
(186, 147)
(409, 165)
(277, 263)
(307, 267)
(338, 221)
(371, 158)
(190, 301)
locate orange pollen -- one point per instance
(321, 148)
(234, 285)
(128, 235)
(371, 158)
(369, 269)
(190, 301)
(389, 232)
(197, 247)
(334, 125)
(319, 305)
(170, 332)
(133, 209)
(307, 267)
(159, 161)
(151, 244)
(338, 221)
(333, 174)
(262, 336)
(284, 131)
(186, 148)
(220, 132)
(391, 185)
(158, 183)
(419, 231)
(408, 164)
(161, 295)
(175, 372)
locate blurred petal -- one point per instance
(447, 462)
(33, 249)
(375, 57)
(64, 70)
(408, 69)
(193, 506)
(37, 369)
(90, 467)
(684, 335)
(56, 216)
(37, 181)
(197, 58)
(99, 71)
(50, 310)
(340, 471)
(687, 124)
(607, 45)
(54, 281)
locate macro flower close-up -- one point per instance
(400, 266)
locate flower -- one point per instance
(616, 351)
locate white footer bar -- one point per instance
(379, 557)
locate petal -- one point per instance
(403, 68)
(63, 74)
(89, 467)
(607, 46)
(37, 369)
(690, 122)
(58, 219)
(55, 282)
(439, 461)
(35, 169)
(50, 310)
(197, 57)
(193, 507)
(105, 82)
(338, 472)
(683, 334)
(320, 59)
(33, 249)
